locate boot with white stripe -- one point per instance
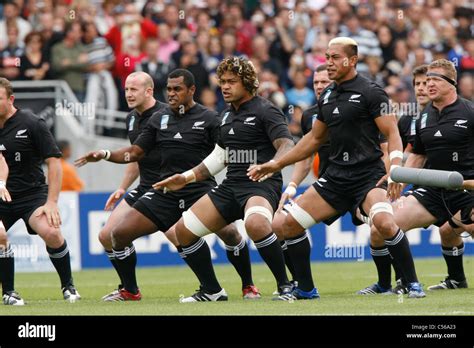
(449, 284)
(201, 296)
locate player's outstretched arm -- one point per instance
(128, 154)
(210, 166)
(387, 124)
(4, 194)
(131, 174)
(305, 148)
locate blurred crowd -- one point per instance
(93, 45)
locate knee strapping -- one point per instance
(301, 216)
(265, 212)
(380, 207)
(194, 225)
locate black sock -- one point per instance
(270, 251)
(7, 269)
(383, 262)
(288, 262)
(62, 262)
(398, 271)
(399, 248)
(453, 257)
(113, 261)
(299, 250)
(198, 257)
(126, 260)
(239, 257)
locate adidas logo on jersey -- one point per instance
(336, 111)
(438, 134)
(354, 99)
(198, 125)
(3, 148)
(178, 136)
(232, 131)
(461, 124)
(21, 134)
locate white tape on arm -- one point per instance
(190, 176)
(215, 161)
(2, 184)
(291, 189)
(106, 153)
(396, 154)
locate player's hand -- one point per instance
(468, 185)
(4, 194)
(173, 183)
(93, 156)
(261, 172)
(288, 194)
(394, 190)
(51, 210)
(114, 198)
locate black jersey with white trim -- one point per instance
(26, 142)
(447, 137)
(349, 111)
(183, 141)
(247, 135)
(149, 165)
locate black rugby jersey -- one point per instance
(26, 142)
(406, 127)
(247, 135)
(447, 137)
(349, 111)
(183, 141)
(149, 165)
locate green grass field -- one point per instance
(161, 288)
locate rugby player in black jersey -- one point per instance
(252, 131)
(351, 116)
(444, 140)
(180, 137)
(26, 143)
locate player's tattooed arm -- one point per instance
(283, 146)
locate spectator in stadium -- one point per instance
(34, 65)
(33, 200)
(260, 49)
(71, 180)
(209, 99)
(10, 55)
(270, 89)
(11, 16)
(466, 86)
(435, 143)
(153, 66)
(168, 45)
(145, 210)
(100, 89)
(51, 35)
(320, 202)
(69, 59)
(300, 94)
(368, 42)
(249, 120)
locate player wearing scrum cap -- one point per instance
(351, 117)
(444, 140)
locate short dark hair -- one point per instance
(4, 83)
(33, 34)
(419, 70)
(188, 77)
(321, 67)
(63, 144)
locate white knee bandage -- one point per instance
(259, 210)
(195, 225)
(301, 216)
(380, 207)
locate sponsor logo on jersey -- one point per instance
(21, 134)
(461, 124)
(198, 125)
(354, 98)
